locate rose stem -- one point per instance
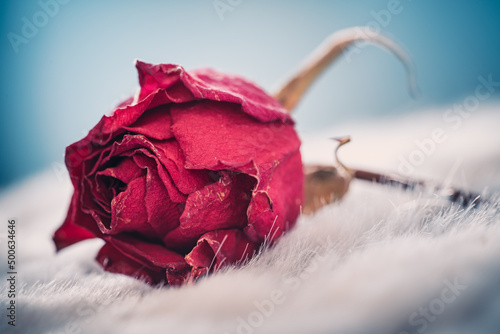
(452, 194)
(290, 93)
(294, 88)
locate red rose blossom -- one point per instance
(194, 173)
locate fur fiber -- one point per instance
(382, 260)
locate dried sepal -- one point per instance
(323, 185)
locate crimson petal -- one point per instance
(69, 232)
(208, 84)
(154, 123)
(115, 262)
(219, 205)
(219, 136)
(150, 255)
(170, 154)
(128, 211)
(126, 170)
(131, 145)
(163, 214)
(221, 247)
(276, 203)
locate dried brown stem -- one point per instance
(290, 93)
(454, 195)
(326, 184)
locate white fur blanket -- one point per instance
(382, 260)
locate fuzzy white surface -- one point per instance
(373, 263)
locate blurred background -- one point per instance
(65, 63)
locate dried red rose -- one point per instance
(194, 174)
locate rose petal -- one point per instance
(166, 153)
(125, 103)
(276, 203)
(219, 205)
(171, 156)
(145, 205)
(148, 160)
(212, 85)
(69, 232)
(148, 254)
(153, 77)
(154, 123)
(126, 170)
(109, 127)
(196, 273)
(116, 262)
(132, 145)
(231, 88)
(111, 181)
(163, 213)
(128, 211)
(178, 277)
(219, 136)
(104, 189)
(221, 247)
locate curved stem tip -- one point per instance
(290, 93)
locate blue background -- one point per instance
(79, 65)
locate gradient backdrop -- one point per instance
(61, 77)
